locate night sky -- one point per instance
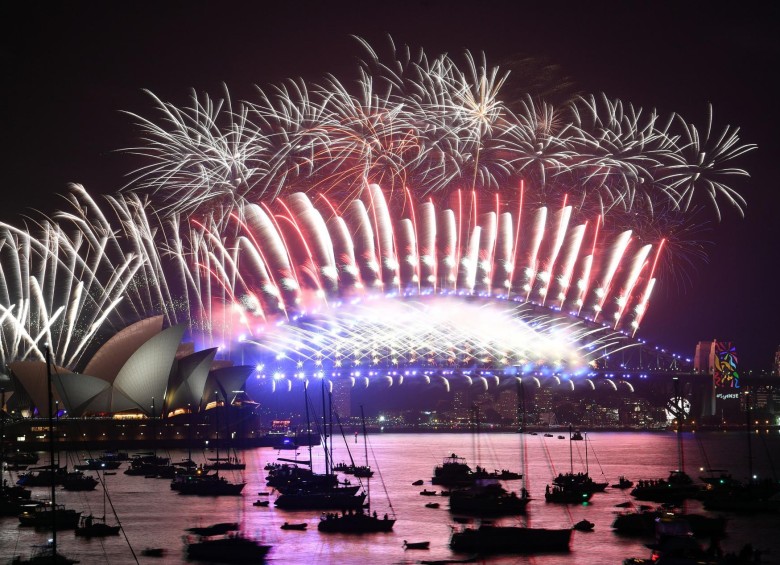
(70, 70)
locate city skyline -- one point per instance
(101, 83)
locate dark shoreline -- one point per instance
(100, 435)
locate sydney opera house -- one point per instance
(143, 373)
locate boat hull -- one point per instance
(211, 488)
(98, 530)
(355, 524)
(228, 550)
(41, 518)
(510, 539)
(320, 501)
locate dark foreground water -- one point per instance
(155, 516)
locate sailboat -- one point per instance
(360, 471)
(149, 464)
(574, 487)
(306, 490)
(50, 516)
(210, 485)
(679, 486)
(485, 496)
(362, 521)
(94, 527)
(230, 462)
(488, 538)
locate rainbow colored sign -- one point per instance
(725, 374)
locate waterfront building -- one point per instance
(506, 404)
(719, 360)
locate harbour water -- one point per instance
(152, 515)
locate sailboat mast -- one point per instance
(51, 456)
(365, 447)
(365, 435)
(154, 434)
(523, 470)
(478, 455)
(103, 484)
(749, 444)
(2, 439)
(571, 453)
(189, 433)
(680, 409)
(587, 469)
(216, 426)
(227, 428)
(308, 423)
(325, 430)
(330, 418)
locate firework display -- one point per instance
(433, 127)
(414, 219)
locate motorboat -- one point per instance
(360, 522)
(45, 516)
(452, 472)
(298, 527)
(623, 483)
(644, 520)
(221, 545)
(42, 476)
(78, 481)
(91, 527)
(584, 526)
(677, 487)
(211, 485)
(416, 544)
